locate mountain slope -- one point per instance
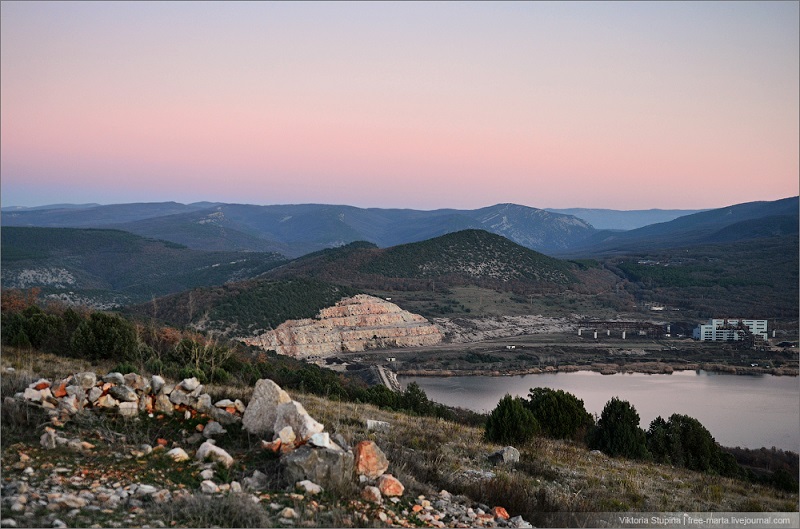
(103, 265)
(611, 219)
(707, 227)
(92, 217)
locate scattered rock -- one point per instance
(178, 454)
(207, 474)
(288, 513)
(308, 486)
(213, 428)
(390, 485)
(48, 439)
(377, 426)
(370, 460)
(258, 481)
(209, 487)
(372, 494)
(500, 512)
(209, 450)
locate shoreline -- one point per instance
(649, 368)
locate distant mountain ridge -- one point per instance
(739, 222)
(296, 230)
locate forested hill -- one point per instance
(244, 308)
(468, 257)
(106, 267)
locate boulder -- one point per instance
(222, 416)
(124, 393)
(370, 460)
(323, 440)
(189, 384)
(33, 395)
(261, 412)
(86, 379)
(128, 409)
(209, 450)
(163, 404)
(203, 403)
(295, 415)
(156, 383)
(94, 394)
(179, 397)
(390, 486)
(286, 436)
(326, 467)
(114, 378)
(136, 381)
(504, 456)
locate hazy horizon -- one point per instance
(603, 105)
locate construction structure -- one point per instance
(623, 328)
(732, 330)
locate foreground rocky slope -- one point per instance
(83, 472)
(354, 324)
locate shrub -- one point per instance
(560, 415)
(511, 422)
(618, 433)
(105, 336)
(682, 441)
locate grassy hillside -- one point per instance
(96, 264)
(554, 484)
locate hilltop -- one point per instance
(468, 257)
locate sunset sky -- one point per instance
(420, 105)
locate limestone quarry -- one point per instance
(354, 324)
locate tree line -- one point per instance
(679, 441)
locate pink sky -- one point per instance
(420, 105)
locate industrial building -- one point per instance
(726, 330)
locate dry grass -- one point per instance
(429, 454)
(552, 476)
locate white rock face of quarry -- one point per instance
(353, 324)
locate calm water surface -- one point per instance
(747, 411)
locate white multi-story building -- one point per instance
(724, 330)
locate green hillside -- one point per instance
(100, 265)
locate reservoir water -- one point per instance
(748, 411)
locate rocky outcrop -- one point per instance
(353, 324)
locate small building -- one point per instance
(730, 330)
